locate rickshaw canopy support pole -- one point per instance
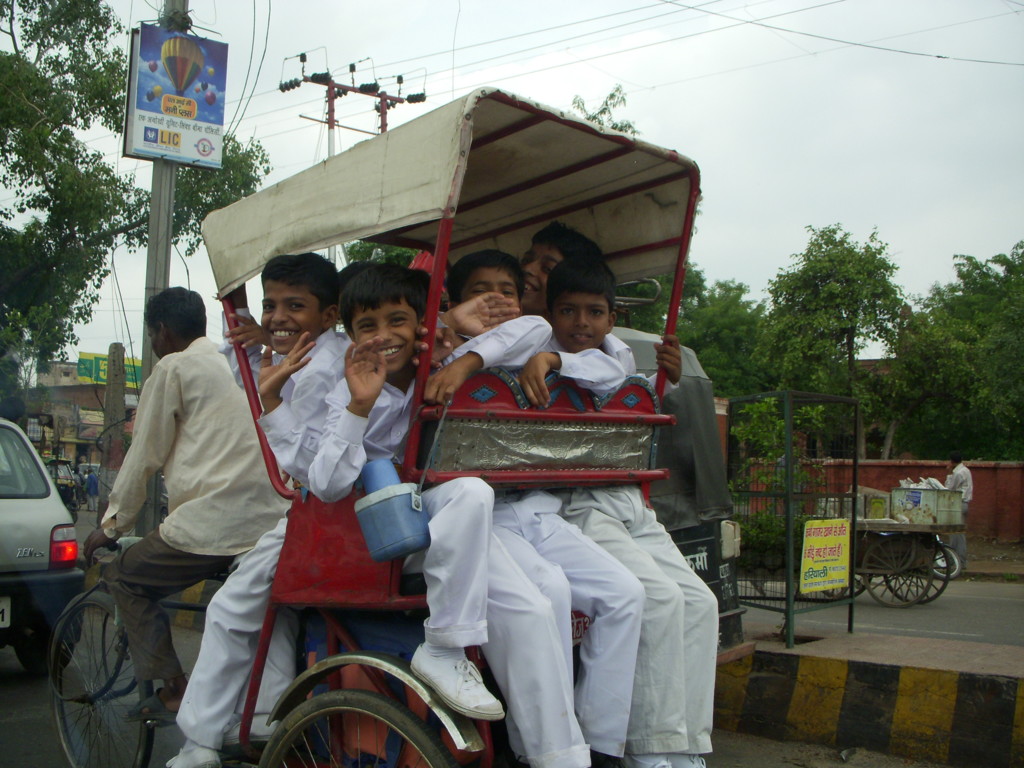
(254, 404)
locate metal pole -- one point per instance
(332, 94)
(158, 260)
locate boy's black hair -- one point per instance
(581, 276)
(307, 270)
(180, 310)
(349, 271)
(955, 457)
(570, 243)
(381, 284)
(460, 272)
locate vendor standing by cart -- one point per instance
(959, 479)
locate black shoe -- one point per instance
(601, 760)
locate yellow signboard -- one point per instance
(826, 555)
(92, 369)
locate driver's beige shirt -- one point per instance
(195, 423)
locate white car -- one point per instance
(38, 550)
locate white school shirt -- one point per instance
(349, 441)
(601, 369)
(293, 429)
(194, 423)
(255, 355)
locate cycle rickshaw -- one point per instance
(485, 171)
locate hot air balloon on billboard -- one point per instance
(183, 59)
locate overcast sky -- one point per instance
(798, 112)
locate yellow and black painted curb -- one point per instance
(957, 718)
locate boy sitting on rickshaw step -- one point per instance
(300, 310)
(476, 593)
(584, 577)
(671, 720)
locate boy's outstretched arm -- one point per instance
(481, 313)
(670, 357)
(442, 385)
(272, 377)
(532, 378)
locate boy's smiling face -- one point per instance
(291, 310)
(580, 321)
(396, 324)
(537, 264)
(490, 280)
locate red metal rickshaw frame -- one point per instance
(604, 184)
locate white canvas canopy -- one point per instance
(499, 166)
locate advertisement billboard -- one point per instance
(176, 93)
(92, 369)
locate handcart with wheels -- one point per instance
(485, 171)
(905, 564)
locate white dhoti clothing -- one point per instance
(216, 692)
(673, 692)
(601, 588)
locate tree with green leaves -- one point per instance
(837, 297)
(955, 382)
(63, 74)
(604, 114)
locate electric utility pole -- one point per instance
(158, 254)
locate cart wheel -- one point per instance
(945, 563)
(354, 728)
(92, 687)
(896, 570)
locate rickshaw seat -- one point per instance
(324, 562)
(490, 429)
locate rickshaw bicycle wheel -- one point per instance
(92, 687)
(347, 727)
(945, 565)
(894, 573)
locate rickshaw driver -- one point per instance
(194, 423)
(671, 721)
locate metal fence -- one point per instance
(792, 459)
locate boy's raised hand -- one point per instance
(441, 386)
(670, 357)
(272, 377)
(481, 313)
(365, 373)
(248, 333)
(532, 378)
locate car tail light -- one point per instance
(63, 546)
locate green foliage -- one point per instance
(837, 297)
(604, 115)
(955, 381)
(63, 73)
(362, 250)
(723, 326)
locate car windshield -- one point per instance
(20, 474)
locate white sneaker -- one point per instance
(195, 757)
(459, 685)
(259, 731)
(646, 761)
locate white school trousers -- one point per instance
(523, 651)
(216, 691)
(673, 692)
(601, 588)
